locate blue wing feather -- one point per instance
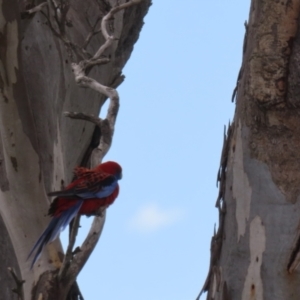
(104, 192)
(56, 225)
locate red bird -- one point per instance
(91, 191)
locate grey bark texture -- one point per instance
(39, 146)
(255, 251)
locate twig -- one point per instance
(60, 15)
(65, 5)
(110, 38)
(57, 11)
(91, 34)
(87, 247)
(82, 53)
(69, 253)
(50, 17)
(35, 9)
(82, 116)
(105, 127)
(19, 282)
(50, 24)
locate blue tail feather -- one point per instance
(56, 225)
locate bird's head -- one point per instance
(112, 168)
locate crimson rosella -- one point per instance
(91, 191)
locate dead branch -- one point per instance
(69, 253)
(35, 9)
(87, 247)
(85, 117)
(92, 33)
(74, 262)
(65, 5)
(59, 18)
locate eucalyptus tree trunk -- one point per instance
(39, 146)
(255, 251)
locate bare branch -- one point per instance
(57, 11)
(91, 34)
(110, 38)
(65, 8)
(69, 254)
(35, 9)
(61, 16)
(80, 52)
(89, 82)
(111, 93)
(87, 247)
(50, 24)
(106, 126)
(85, 117)
(51, 19)
(81, 257)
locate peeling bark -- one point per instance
(253, 286)
(241, 190)
(259, 254)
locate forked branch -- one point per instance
(73, 264)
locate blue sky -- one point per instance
(175, 102)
